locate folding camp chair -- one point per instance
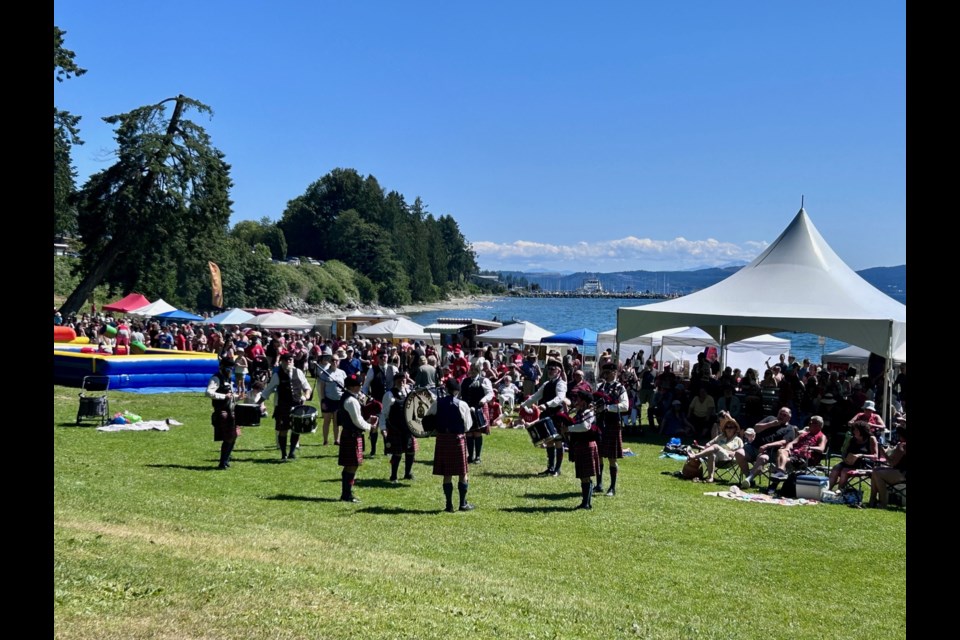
(93, 399)
(728, 472)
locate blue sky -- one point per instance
(601, 136)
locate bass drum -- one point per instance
(415, 409)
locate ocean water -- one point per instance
(565, 314)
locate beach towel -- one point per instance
(736, 494)
(143, 425)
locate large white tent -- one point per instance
(649, 342)
(279, 320)
(750, 353)
(798, 284)
(859, 357)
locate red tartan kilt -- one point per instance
(450, 455)
(612, 444)
(399, 441)
(351, 451)
(585, 459)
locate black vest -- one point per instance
(449, 419)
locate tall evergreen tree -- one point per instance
(65, 134)
(155, 214)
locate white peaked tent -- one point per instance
(859, 357)
(752, 352)
(649, 343)
(398, 328)
(522, 332)
(278, 320)
(797, 284)
(154, 309)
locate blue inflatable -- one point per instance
(157, 368)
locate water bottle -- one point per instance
(131, 417)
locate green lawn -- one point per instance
(151, 542)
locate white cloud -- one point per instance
(624, 254)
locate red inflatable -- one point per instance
(63, 334)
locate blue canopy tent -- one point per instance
(177, 314)
(230, 316)
(579, 337)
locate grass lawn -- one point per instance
(151, 542)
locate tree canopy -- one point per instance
(66, 133)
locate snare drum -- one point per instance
(247, 415)
(303, 419)
(542, 432)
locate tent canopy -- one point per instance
(583, 337)
(798, 284)
(859, 357)
(178, 314)
(154, 309)
(278, 320)
(127, 303)
(397, 328)
(230, 316)
(522, 332)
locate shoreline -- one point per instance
(452, 304)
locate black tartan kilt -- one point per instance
(450, 455)
(351, 451)
(402, 442)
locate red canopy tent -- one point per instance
(127, 304)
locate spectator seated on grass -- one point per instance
(803, 452)
(860, 451)
(772, 432)
(722, 448)
(892, 473)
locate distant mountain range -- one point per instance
(890, 280)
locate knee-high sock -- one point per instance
(470, 448)
(374, 435)
(394, 466)
(585, 492)
(350, 482)
(282, 441)
(448, 493)
(600, 475)
(590, 493)
(294, 439)
(558, 453)
(408, 463)
(226, 448)
(477, 446)
(613, 475)
(345, 485)
(551, 457)
(462, 488)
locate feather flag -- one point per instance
(216, 285)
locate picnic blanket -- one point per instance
(736, 494)
(143, 425)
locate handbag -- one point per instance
(692, 469)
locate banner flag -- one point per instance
(216, 285)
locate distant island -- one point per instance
(663, 284)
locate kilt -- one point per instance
(282, 416)
(585, 459)
(611, 446)
(351, 451)
(224, 426)
(402, 442)
(450, 455)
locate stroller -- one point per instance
(93, 399)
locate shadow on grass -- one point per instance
(538, 510)
(391, 511)
(552, 496)
(514, 476)
(188, 467)
(287, 496)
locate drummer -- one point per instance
(549, 398)
(450, 455)
(477, 391)
(225, 429)
(292, 390)
(396, 432)
(353, 425)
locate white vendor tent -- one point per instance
(278, 320)
(798, 284)
(154, 309)
(750, 353)
(522, 332)
(649, 343)
(395, 329)
(858, 357)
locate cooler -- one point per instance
(810, 487)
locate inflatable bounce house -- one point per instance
(141, 369)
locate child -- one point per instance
(240, 370)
